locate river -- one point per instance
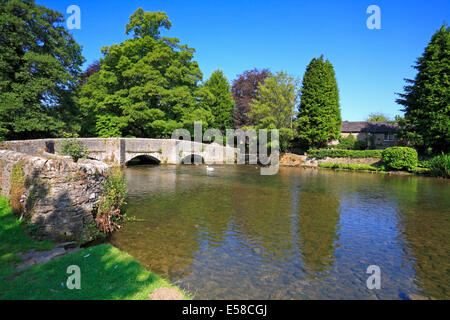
(300, 234)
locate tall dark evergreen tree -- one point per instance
(222, 104)
(39, 70)
(319, 119)
(427, 99)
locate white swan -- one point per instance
(209, 169)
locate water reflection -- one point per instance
(300, 234)
(318, 218)
(425, 222)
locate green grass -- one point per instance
(106, 272)
(367, 167)
(14, 239)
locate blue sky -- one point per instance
(239, 35)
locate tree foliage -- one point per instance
(378, 117)
(319, 119)
(426, 99)
(274, 104)
(39, 69)
(147, 86)
(245, 89)
(222, 104)
(94, 67)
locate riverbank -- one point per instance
(368, 164)
(372, 168)
(106, 272)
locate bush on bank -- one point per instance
(341, 153)
(440, 166)
(399, 158)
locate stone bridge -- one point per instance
(121, 150)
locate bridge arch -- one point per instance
(193, 159)
(142, 159)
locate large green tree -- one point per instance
(222, 105)
(274, 105)
(147, 86)
(319, 119)
(427, 98)
(39, 70)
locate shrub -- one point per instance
(347, 143)
(350, 143)
(339, 153)
(360, 145)
(109, 209)
(73, 148)
(424, 164)
(399, 158)
(440, 166)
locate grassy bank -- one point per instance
(106, 272)
(367, 167)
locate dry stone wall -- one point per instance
(54, 193)
(294, 160)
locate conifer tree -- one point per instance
(222, 104)
(319, 119)
(427, 98)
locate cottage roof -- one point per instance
(368, 126)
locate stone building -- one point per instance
(380, 134)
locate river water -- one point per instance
(300, 234)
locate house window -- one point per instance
(389, 136)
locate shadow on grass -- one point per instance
(14, 239)
(106, 273)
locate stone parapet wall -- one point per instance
(121, 150)
(102, 149)
(58, 194)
